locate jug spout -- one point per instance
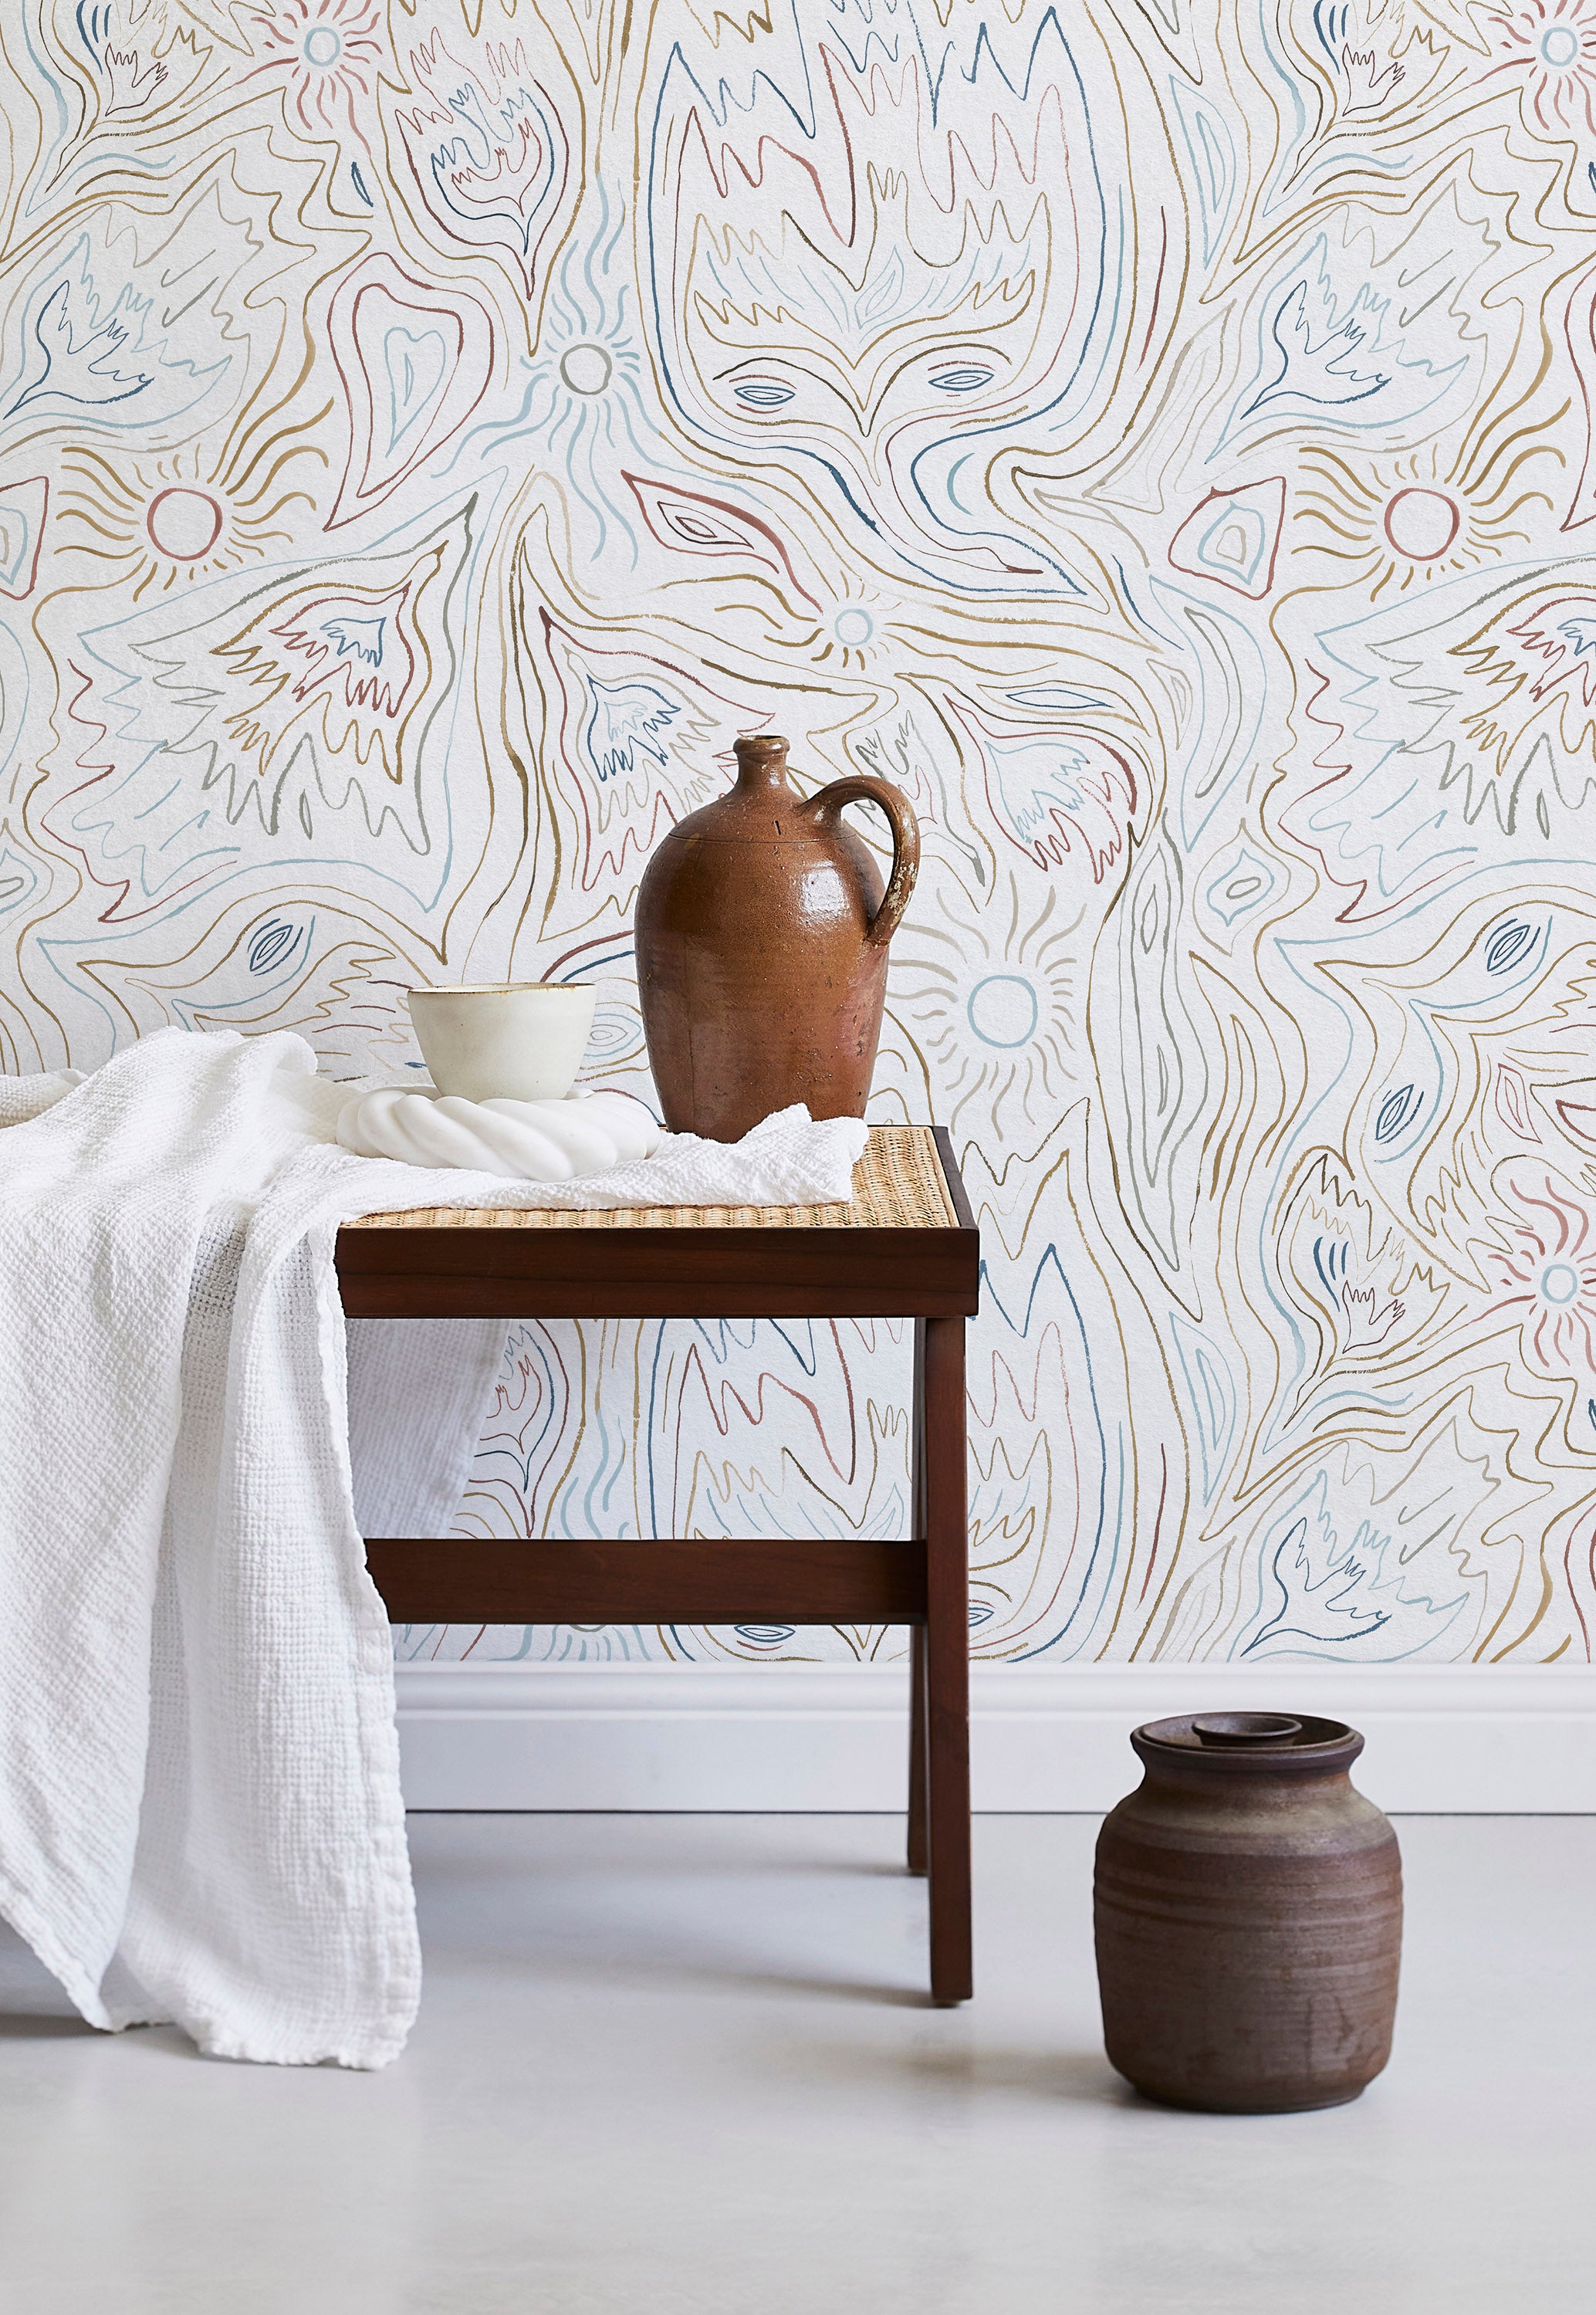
(762, 762)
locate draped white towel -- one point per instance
(200, 1818)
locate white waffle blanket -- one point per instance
(200, 1818)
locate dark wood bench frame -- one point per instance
(931, 1275)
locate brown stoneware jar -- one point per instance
(1249, 1917)
(762, 935)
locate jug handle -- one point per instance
(861, 788)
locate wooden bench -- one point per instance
(905, 1246)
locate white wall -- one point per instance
(637, 1736)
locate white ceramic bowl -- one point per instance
(508, 1040)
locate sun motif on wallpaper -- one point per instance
(1549, 48)
(326, 54)
(1551, 1273)
(853, 633)
(582, 402)
(157, 524)
(988, 988)
(1388, 525)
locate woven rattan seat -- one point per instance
(898, 1185)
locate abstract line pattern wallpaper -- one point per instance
(1158, 433)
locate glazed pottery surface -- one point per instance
(507, 1040)
(762, 934)
(1248, 1906)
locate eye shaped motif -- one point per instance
(963, 380)
(763, 393)
(1396, 1111)
(274, 936)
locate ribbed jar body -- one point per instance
(1248, 1913)
(762, 935)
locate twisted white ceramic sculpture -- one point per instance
(520, 1140)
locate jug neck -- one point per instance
(762, 765)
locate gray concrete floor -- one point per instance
(683, 2066)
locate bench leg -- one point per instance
(916, 1640)
(917, 1749)
(947, 1656)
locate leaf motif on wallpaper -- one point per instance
(134, 81)
(1387, 60)
(1527, 707)
(496, 153)
(1545, 660)
(637, 739)
(693, 522)
(154, 72)
(415, 362)
(915, 749)
(93, 349)
(1058, 793)
(298, 711)
(1405, 1546)
(1323, 350)
(154, 326)
(1011, 1508)
(1376, 328)
(1455, 719)
(1350, 1282)
(1333, 1582)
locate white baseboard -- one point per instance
(1044, 1738)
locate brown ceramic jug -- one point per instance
(762, 934)
(1249, 1917)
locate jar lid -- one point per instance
(1245, 1728)
(1240, 1743)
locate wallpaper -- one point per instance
(1157, 433)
